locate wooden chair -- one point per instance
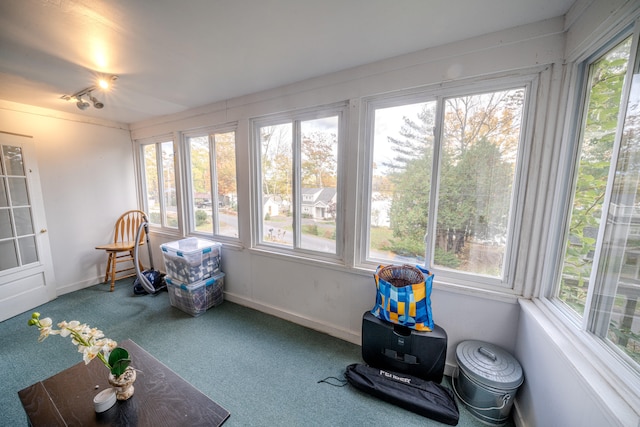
(121, 250)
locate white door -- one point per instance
(26, 273)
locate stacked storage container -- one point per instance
(194, 280)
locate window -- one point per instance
(443, 178)
(213, 188)
(599, 282)
(159, 184)
(298, 175)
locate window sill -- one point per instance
(611, 383)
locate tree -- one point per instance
(599, 129)
(319, 160)
(476, 168)
(277, 160)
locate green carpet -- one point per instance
(262, 369)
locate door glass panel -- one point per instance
(28, 253)
(4, 200)
(13, 160)
(6, 230)
(22, 217)
(8, 255)
(18, 244)
(18, 191)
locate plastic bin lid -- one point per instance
(189, 244)
(489, 364)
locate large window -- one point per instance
(213, 188)
(298, 174)
(599, 279)
(443, 178)
(159, 183)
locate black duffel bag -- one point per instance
(426, 398)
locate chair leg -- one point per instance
(113, 274)
(108, 268)
(113, 271)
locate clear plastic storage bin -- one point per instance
(196, 298)
(191, 260)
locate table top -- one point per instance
(161, 397)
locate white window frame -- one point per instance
(158, 141)
(527, 79)
(295, 117)
(609, 364)
(189, 202)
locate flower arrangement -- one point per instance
(91, 342)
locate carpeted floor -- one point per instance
(264, 370)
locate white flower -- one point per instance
(91, 342)
(45, 328)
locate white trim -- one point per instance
(294, 118)
(526, 78)
(602, 380)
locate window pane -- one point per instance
(616, 311)
(600, 121)
(13, 160)
(481, 134)
(169, 185)
(151, 184)
(225, 149)
(201, 182)
(319, 167)
(277, 184)
(401, 181)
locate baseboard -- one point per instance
(79, 285)
(296, 318)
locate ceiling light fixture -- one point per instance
(96, 104)
(83, 105)
(103, 83)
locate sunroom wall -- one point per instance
(333, 298)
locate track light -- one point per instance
(104, 83)
(96, 104)
(83, 105)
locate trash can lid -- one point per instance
(489, 364)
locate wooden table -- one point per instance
(161, 397)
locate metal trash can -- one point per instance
(487, 381)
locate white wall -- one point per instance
(87, 179)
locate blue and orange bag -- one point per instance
(404, 296)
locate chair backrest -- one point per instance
(127, 226)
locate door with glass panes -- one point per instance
(26, 274)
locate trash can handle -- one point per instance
(491, 355)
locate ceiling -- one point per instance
(173, 55)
